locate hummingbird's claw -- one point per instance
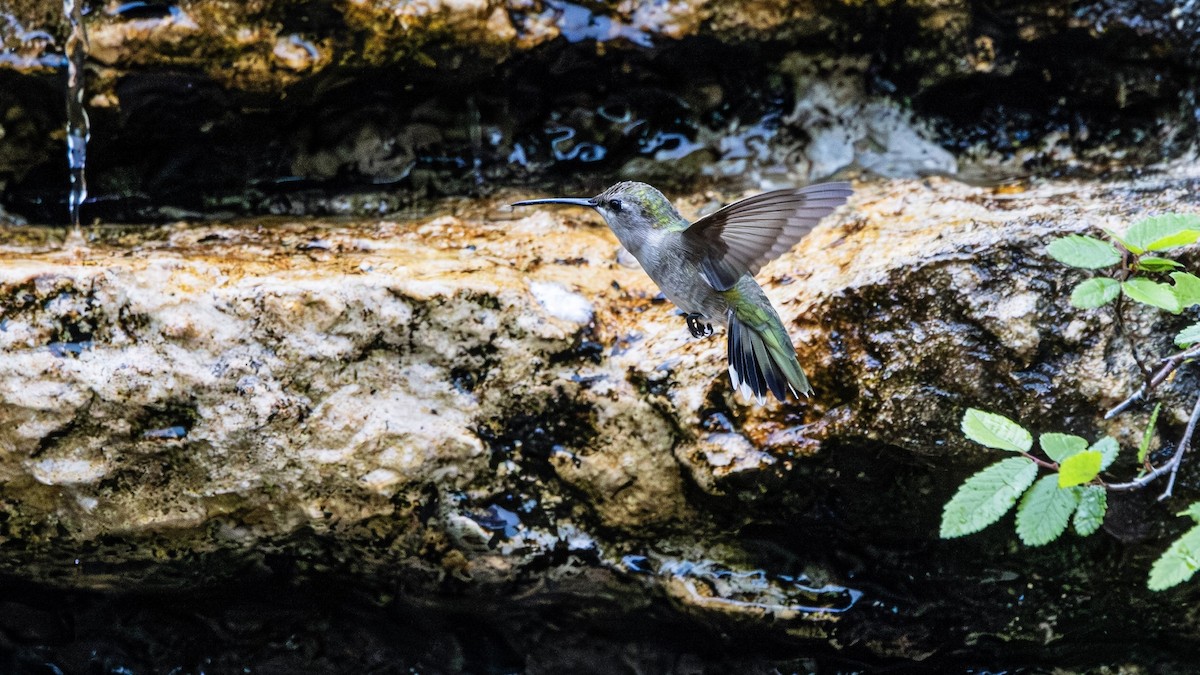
(697, 328)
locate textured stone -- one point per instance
(488, 400)
(269, 44)
(498, 377)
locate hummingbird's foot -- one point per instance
(698, 329)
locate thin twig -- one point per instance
(1189, 353)
(1119, 314)
(1171, 466)
(1053, 466)
(1170, 365)
(1184, 444)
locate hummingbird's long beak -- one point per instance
(573, 201)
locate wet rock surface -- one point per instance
(267, 44)
(207, 108)
(385, 431)
(481, 418)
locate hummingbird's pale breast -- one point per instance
(667, 259)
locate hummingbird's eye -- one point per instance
(615, 205)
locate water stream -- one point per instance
(78, 129)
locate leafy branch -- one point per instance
(1128, 269)
(1047, 505)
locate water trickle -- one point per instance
(476, 134)
(78, 131)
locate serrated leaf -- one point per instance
(1061, 446)
(986, 496)
(1108, 449)
(1188, 336)
(1150, 231)
(1155, 264)
(995, 431)
(1045, 511)
(1178, 563)
(1192, 511)
(1095, 292)
(1152, 293)
(1088, 253)
(1187, 288)
(1093, 504)
(1079, 469)
(1148, 434)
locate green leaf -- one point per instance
(995, 431)
(1108, 449)
(1161, 231)
(1093, 504)
(1187, 288)
(986, 496)
(1095, 292)
(1079, 469)
(1089, 253)
(1178, 563)
(1045, 511)
(1155, 264)
(1188, 336)
(1061, 446)
(1182, 238)
(1148, 435)
(1152, 293)
(1192, 511)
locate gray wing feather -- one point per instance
(746, 235)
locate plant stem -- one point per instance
(1119, 314)
(1184, 444)
(1053, 466)
(1171, 466)
(1170, 365)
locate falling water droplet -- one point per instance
(476, 134)
(78, 131)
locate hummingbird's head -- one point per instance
(636, 204)
(625, 206)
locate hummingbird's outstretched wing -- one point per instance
(746, 235)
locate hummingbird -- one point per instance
(707, 268)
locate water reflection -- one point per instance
(668, 145)
(27, 48)
(499, 520)
(165, 433)
(712, 584)
(577, 23)
(142, 9)
(564, 150)
(182, 144)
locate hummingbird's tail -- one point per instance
(761, 355)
